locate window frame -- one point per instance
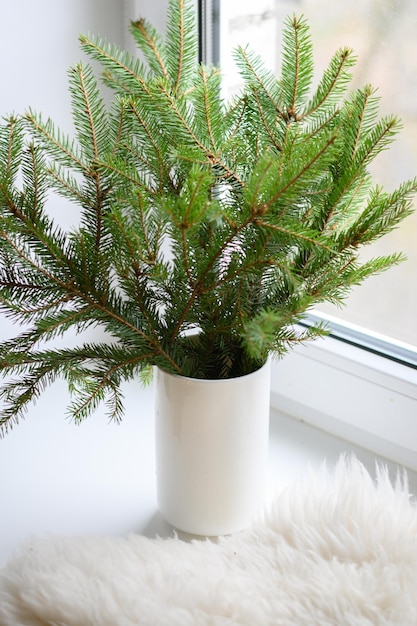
(362, 397)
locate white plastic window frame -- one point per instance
(346, 390)
(357, 395)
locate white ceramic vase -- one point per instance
(211, 450)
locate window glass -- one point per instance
(382, 34)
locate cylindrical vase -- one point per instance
(212, 450)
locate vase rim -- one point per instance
(214, 380)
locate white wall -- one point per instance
(39, 41)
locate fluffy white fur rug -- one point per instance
(336, 549)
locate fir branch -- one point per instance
(54, 325)
(122, 70)
(297, 66)
(206, 97)
(270, 329)
(377, 139)
(258, 78)
(133, 247)
(48, 247)
(56, 143)
(93, 387)
(322, 123)
(150, 43)
(153, 142)
(181, 44)
(185, 256)
(29, 312)
(17, 395)
(381, 214)
(11, 143)
(119, 168)
(9, 202)
(199, 284)
(262, 204)
(260, 265)
(317, 156)
(333, 83)
(67, 185)
(302, 235)
(152, 341)
(34, 187)
(151, 253)
(213, 159)
(359, 116)
(234, 118)
(269, 130)
(84, 93)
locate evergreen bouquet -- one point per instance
(207, 229)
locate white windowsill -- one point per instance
(100, 479)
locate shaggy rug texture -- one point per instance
(336, 549)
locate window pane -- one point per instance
(382, 33)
